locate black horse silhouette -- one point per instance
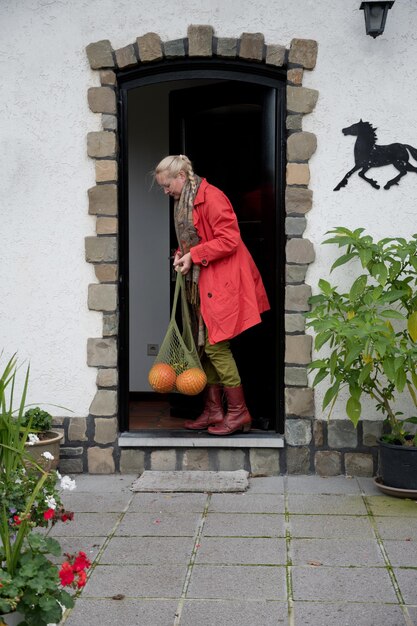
(368, 155)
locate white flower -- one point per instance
(18, 481)
(48, 456)
(51, 502)
(32, 439)
(58, 475)
(67, 483)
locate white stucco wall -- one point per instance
(45, 171)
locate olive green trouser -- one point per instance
(219, 364)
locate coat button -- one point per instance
(204, 262)
(209, 295)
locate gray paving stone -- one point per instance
(342, 583)
(268, 484)
(246, 551)
(160, 524)
(90, 545)
(86, 525)
(89, 483)
(97, 502)
(332, 505)
(244, 525)
(406, 579)
(148, 550)
(402, 553)
(136, 581)
(397, 507)
(321, 484)
(233, 613)
(234, 582)
(336, 552)
(396, 528)
(97, 612)
(347, 614)
(246, 503)
(326, 526)
(368, 486)
(175, 502)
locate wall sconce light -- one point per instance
(375, 15)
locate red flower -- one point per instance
(17, 520)
(81, 562)
(48, 514)
(66, 574)
(67, 515)
(82, 579)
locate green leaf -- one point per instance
(365, 255)
(353, 409)
(321, 339)
(412, 393)
(411, 420)
(389, 370)
(393, 314)
(321, 375)
(358, 287)
(400, 379)
(333, 362)
(366, 370)
(325, 287)
(412, 325)
(330, 394)
(342, 260)
(414, 378)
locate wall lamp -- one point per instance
(375, 15)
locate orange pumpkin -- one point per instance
(162, 378)
(191, 382)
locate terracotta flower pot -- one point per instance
(51, 444)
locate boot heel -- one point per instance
(246, 428)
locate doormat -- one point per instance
(195, 482)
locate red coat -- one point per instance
(231, 290)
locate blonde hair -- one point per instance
(173, 165)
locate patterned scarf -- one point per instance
(187, 238)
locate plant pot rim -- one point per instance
(54, 437)
(396, 446)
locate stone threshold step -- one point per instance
(180, 439)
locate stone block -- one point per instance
(110, 325)
(107, 377)
(105, 428)
(300, 251)
(106, 171)
(102, 199)
(101, 144)
(300, 402)
(295, 273)
(275, 55)
(297, 173)
(58, 421)
(108, 121)
(295, 226)
(296, 376)
(298, 460)
(342, 434)
(163, 460)
(108, 77)
(264, 461)
(106, 272)
(100, 54)
(328, 463)
(301, 99)
(318, 433)
(295, 76)
(71, 466)
(70, 452)
(102, 99)
(301, 146)
(104, 403)
(200, 41)
(150, 47)
(174, 48)
(359, 464)
(132, 461)
(100, 249)
(107, 225)
(101, 352)
(77, 429)
(371, 432)
(296, 297)
(297, 432)
(226, 47)
(303, 52)
(102, 297)
(298, 200)
(230, 460)
(298, 349)
(252, 46)
(294, 122)
(294, 323)
(126, 57)
(195, 459)
(100, 460)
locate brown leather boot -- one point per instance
(237, 416)
(213, 412)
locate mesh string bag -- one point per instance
(178, 350)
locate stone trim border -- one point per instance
(96, 449)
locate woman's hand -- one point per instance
(183, 263)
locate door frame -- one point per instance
(187, 70)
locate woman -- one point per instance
(225, 287)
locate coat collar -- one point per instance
(200, 196)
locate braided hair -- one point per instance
(174, 164)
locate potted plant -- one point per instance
(370, 334)
(41, 437)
